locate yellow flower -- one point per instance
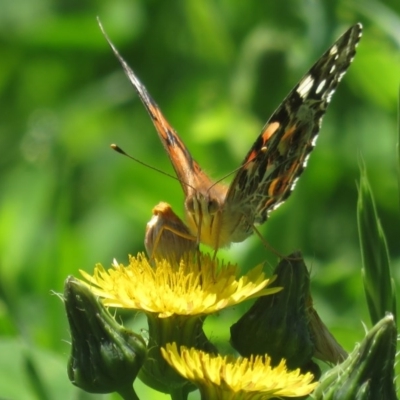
(201, 286)
(242, 378)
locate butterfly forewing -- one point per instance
(278, 157)
(187, 169)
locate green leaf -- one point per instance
(378, 282)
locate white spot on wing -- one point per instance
(275, 206)
(305, 85)
(306, 160)
(333, 50)
(329, 96)
(294, 184)
(321, 86)
(340, 76)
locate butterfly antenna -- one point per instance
(119, 150)
(123, 152)
(271, 248)
(266, 244)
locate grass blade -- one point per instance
(378, 282)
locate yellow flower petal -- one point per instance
(253, 376)
(201, 286)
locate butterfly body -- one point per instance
(219, 215)
(216, 225)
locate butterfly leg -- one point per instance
(268, 246)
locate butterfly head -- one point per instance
(200, 205)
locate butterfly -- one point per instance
(218, 215)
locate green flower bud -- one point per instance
(182, 329)
(278, 325)
(368, 372)
(105, 357)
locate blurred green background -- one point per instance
(217, 69)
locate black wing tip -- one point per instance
(356, 31)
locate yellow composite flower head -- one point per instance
(200, 286)
(241, 378)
